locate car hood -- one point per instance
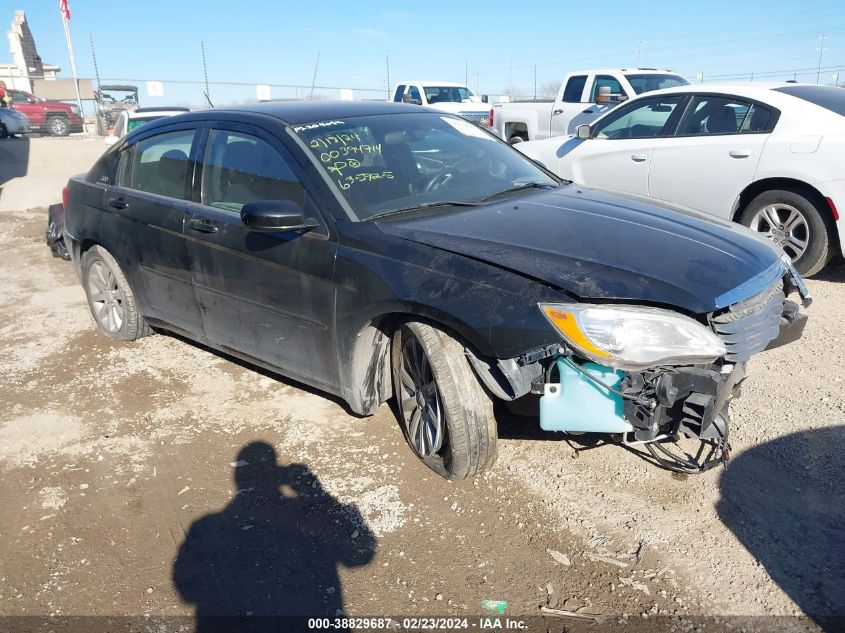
(600, 246)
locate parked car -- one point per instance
(48, 117)
(377, 250)
(12, 122)
(445, 96)
(583, 96)
(767, 156)
(126, 121)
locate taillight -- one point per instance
(833, 209)
(65, 196)
(490, 118)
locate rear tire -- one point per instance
(517, 138)
(794, 223)
(58, 126)
(450, 425)
(112, 302)
(3, 131)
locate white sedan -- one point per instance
(770, 156)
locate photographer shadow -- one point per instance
(784, 501)
(268, 561)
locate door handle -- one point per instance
(202, 225)
(739, 153)
(557, 111)
(639, 158)
(118, 203)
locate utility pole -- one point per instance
(641, 51)
(205, 74)
(314, 78)
(822, 37)
(510, 76)
(387, 66)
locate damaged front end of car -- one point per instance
(652, 376)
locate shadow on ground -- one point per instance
(834, 271)
(269, 559)
(785, 502)
(14, 159)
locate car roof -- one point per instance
(435, 82)
(750, 89)
(303, 112)
(140, 113)
(628, 71)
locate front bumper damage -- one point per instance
(656, 407)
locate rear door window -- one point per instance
(239, 168)
(709, 115)
(161, 164)
(574, 89)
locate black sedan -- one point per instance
(373, 250)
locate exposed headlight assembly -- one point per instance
(633, 337)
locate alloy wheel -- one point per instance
(421, 406)
(107, 299)
(58, 126)
(784, 225)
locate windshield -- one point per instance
(449, 94)
(651, 81)
(388, 163)
(136, 123)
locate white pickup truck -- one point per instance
(582, 97)
(446, 96)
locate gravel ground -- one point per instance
(119, 460)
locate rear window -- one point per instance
(647, 82)
(574, 89)
(136, 123)
(827, 97)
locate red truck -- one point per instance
(48, 117)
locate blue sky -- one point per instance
(495, 44)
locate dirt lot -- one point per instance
(144, 479)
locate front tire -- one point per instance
(794, 223)
(112, 302)
(446, 414)
(58, 126)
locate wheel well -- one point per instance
(368, 380)
(516, 129)
(86, 244)
(789, 184)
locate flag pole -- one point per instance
(73, 68)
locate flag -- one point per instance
(64, 9)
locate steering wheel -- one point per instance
(437, 181)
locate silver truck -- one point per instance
(582, 97)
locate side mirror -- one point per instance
(275, 216)
(111, 139)
(583, 131)
(603, 95)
